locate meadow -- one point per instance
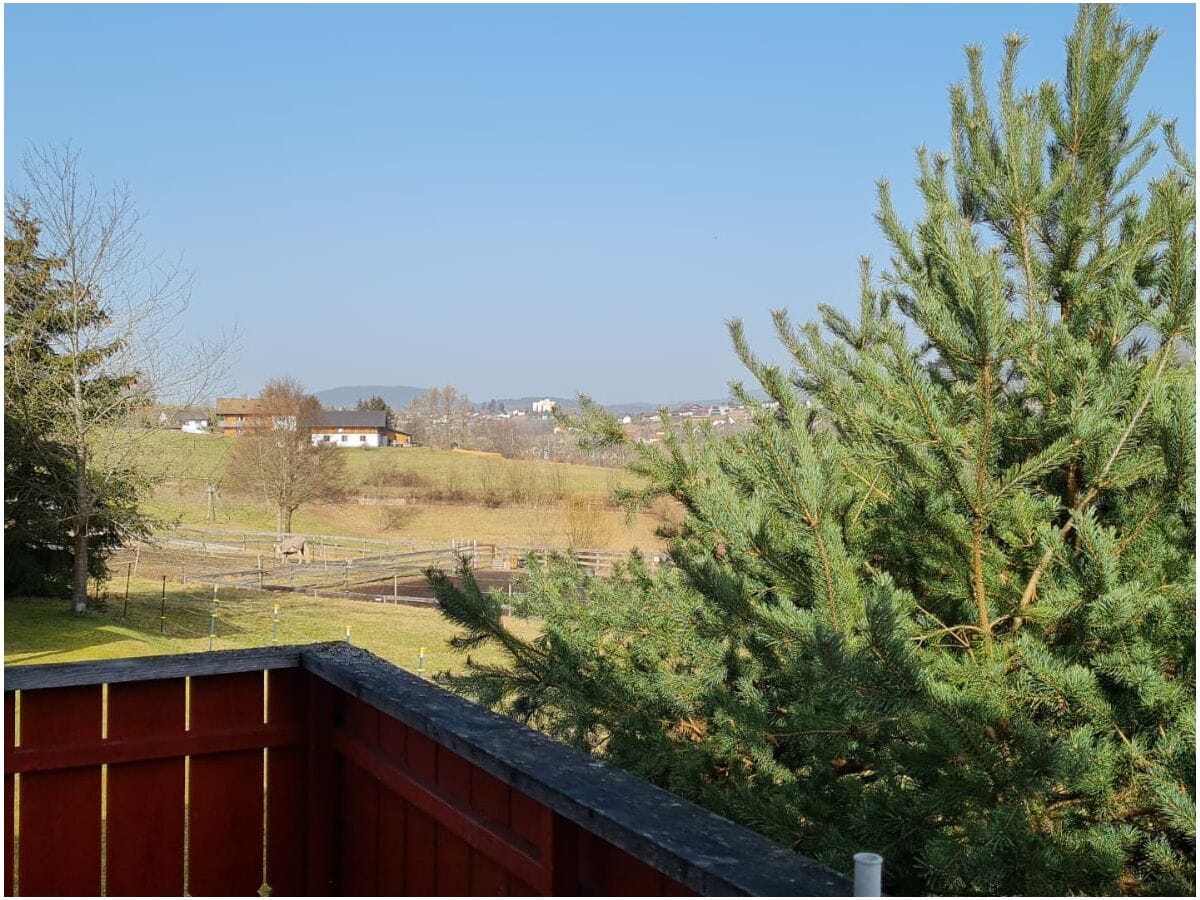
(38, 630)
(409, 493)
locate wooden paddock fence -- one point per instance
(336, 566)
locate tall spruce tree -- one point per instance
(948, 613)
(39, 468)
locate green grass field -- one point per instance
(181, 456)
(45, 631)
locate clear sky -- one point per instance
(517, 200)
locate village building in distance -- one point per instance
(340, 428)
(234, 414)
(357, 428)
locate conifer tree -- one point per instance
(92, 337)
(39, 467)
(948, 613)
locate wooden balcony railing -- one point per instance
(323, 770)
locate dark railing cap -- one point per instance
(700, 849)
(151, 668)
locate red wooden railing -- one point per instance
(325, 771)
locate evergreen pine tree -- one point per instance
(948, 613)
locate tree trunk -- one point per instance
(287, 521)
(79, 577)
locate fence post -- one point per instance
(421, 662)
(275, 625)
(395, 585)
(212, 621)
(128, 572)
(868, 875)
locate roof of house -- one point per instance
(239, 406)
(351, 418)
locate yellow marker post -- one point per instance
(212, 620)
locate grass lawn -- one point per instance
(44, 631)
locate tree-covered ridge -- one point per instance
(948, 614)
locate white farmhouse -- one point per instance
(193, 421)
(357, 428)
(543, 407)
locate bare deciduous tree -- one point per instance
(276, 459)
(113, 325)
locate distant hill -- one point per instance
(397, 396)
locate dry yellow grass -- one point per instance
(188, 462)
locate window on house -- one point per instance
(362, 438)
(344, 438)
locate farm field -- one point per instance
(44, 631)
(417, 493)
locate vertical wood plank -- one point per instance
(287, 794)
(490, 797)
(10, 732)
(564, 856)
(60, 811)
(145, 799)
(225, 819)
(532, 821)
(612, 872)
(321, 788)
(358, 850)
(393, 813)
(453, 853)
(420, 844)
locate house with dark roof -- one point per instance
(357, 428)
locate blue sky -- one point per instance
(517, 200)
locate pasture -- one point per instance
(416, 493)
(38, 630)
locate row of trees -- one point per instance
(91, 337)
(948, 614)
(440, 418)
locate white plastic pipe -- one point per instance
(868, 875)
